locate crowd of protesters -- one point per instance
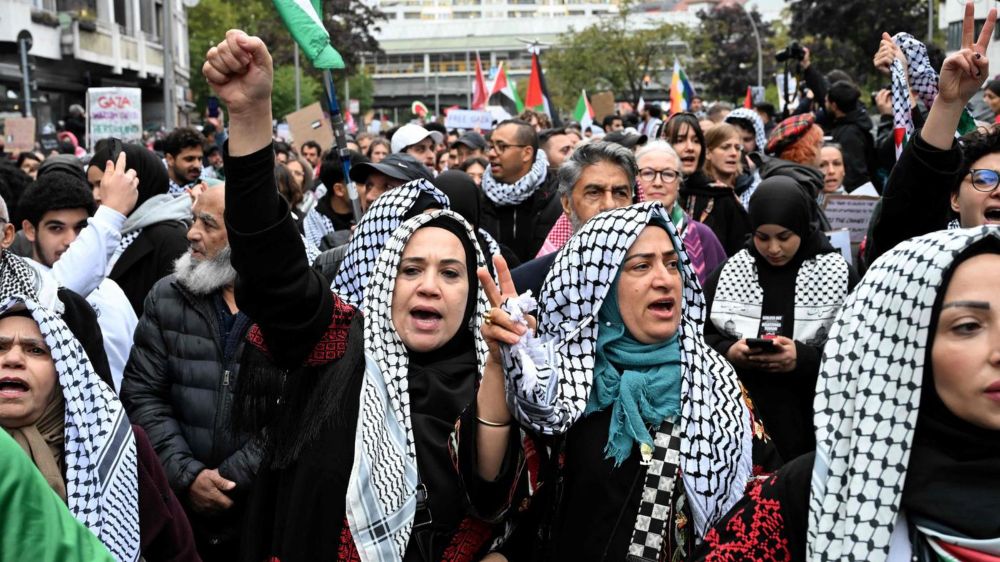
(626, 343)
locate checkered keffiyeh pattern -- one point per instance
(561, 232)
(375, 227)
(381, 494)
(102, 489)
(651, 525)
(548, 389)
(789, 131)
(868, 394)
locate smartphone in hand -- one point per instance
(761, 345)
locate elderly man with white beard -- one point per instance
(179, 380)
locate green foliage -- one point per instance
(283, 96)
(351, 24)
(845, 34)
(610, 55)
(726, 51)
(362, 89)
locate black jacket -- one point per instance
(524, 227)
(718, 208)
(148, 259)
(853, 133)
(916, 199)
(178, 385)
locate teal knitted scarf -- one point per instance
(640, 382)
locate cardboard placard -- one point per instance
(469, 120)
(114, 112)
(851, 212)
(603, 104)
(49, 142)
(310, 124)
(19, 134)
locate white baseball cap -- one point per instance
(409, 135)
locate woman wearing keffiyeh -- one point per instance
(907, 422)
(355, 409)
(638, 437)
(73, 428)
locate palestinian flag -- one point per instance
(302, 19)
(584, 113)
(537, 97)
(507, 88)
(480, 93)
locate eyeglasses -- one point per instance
(500, 146)
(649, 175)
(985, 180)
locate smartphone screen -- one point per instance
(213, 106)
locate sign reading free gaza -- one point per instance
(114, 112)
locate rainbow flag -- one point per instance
(681, 92)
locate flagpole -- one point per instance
(337, 123)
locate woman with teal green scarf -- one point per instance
(636, 434)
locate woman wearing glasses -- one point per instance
(659, 180)
(940, 182)
(771, 306)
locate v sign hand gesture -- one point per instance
(964, 71)
(962, 74)
(498, 327)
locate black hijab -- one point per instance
(462, 194)
(951, 478)
(780, 200)
(153, 178)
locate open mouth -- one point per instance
(664, 307)
(10, 386)
(426, 318)
(992, 215)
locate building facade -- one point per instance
(78, 44)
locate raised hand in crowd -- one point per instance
(119, 187)
(962, 74)
(883, 102)
(240, 72)
(888, 51)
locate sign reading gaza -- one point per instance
(466, 119)
(114, 112)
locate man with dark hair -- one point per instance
(766, 112)
(651, 119)
(558, 145)
(613, 123)
(597, 177)
(55, 212)
(851, 129)
(180, 377)
(520, 206)
(311, 151)
(469, 145)
(183, 150)
(214, 169)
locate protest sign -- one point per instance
(467, 119)
(310, 124)
(851, 212)
(603, 104)
(114, 112)
(19, 134)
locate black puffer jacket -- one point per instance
(178, 385)
(524, 227)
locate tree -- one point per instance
(283, 94)
(351, 24)
(609, 54)
(845, 34)
(726, 50)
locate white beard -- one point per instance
(204, 277)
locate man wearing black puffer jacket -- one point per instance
(178, 383)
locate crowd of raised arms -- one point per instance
(630, 343)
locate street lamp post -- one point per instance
(756, 36)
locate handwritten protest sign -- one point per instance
(466, 119)
(310, 124)
(850, 212)
(19, 134)
(114, 112)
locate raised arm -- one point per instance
(290, 302)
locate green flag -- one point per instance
(302, 19)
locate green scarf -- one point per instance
(641, 382)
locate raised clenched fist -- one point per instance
(240, 72)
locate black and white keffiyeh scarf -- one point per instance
(381, 495)
(370, 235)
(316, 225)
(820, 288)
(102, 489)
(19, 278)
(519, 191)
(868, 395)
(548, 386)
